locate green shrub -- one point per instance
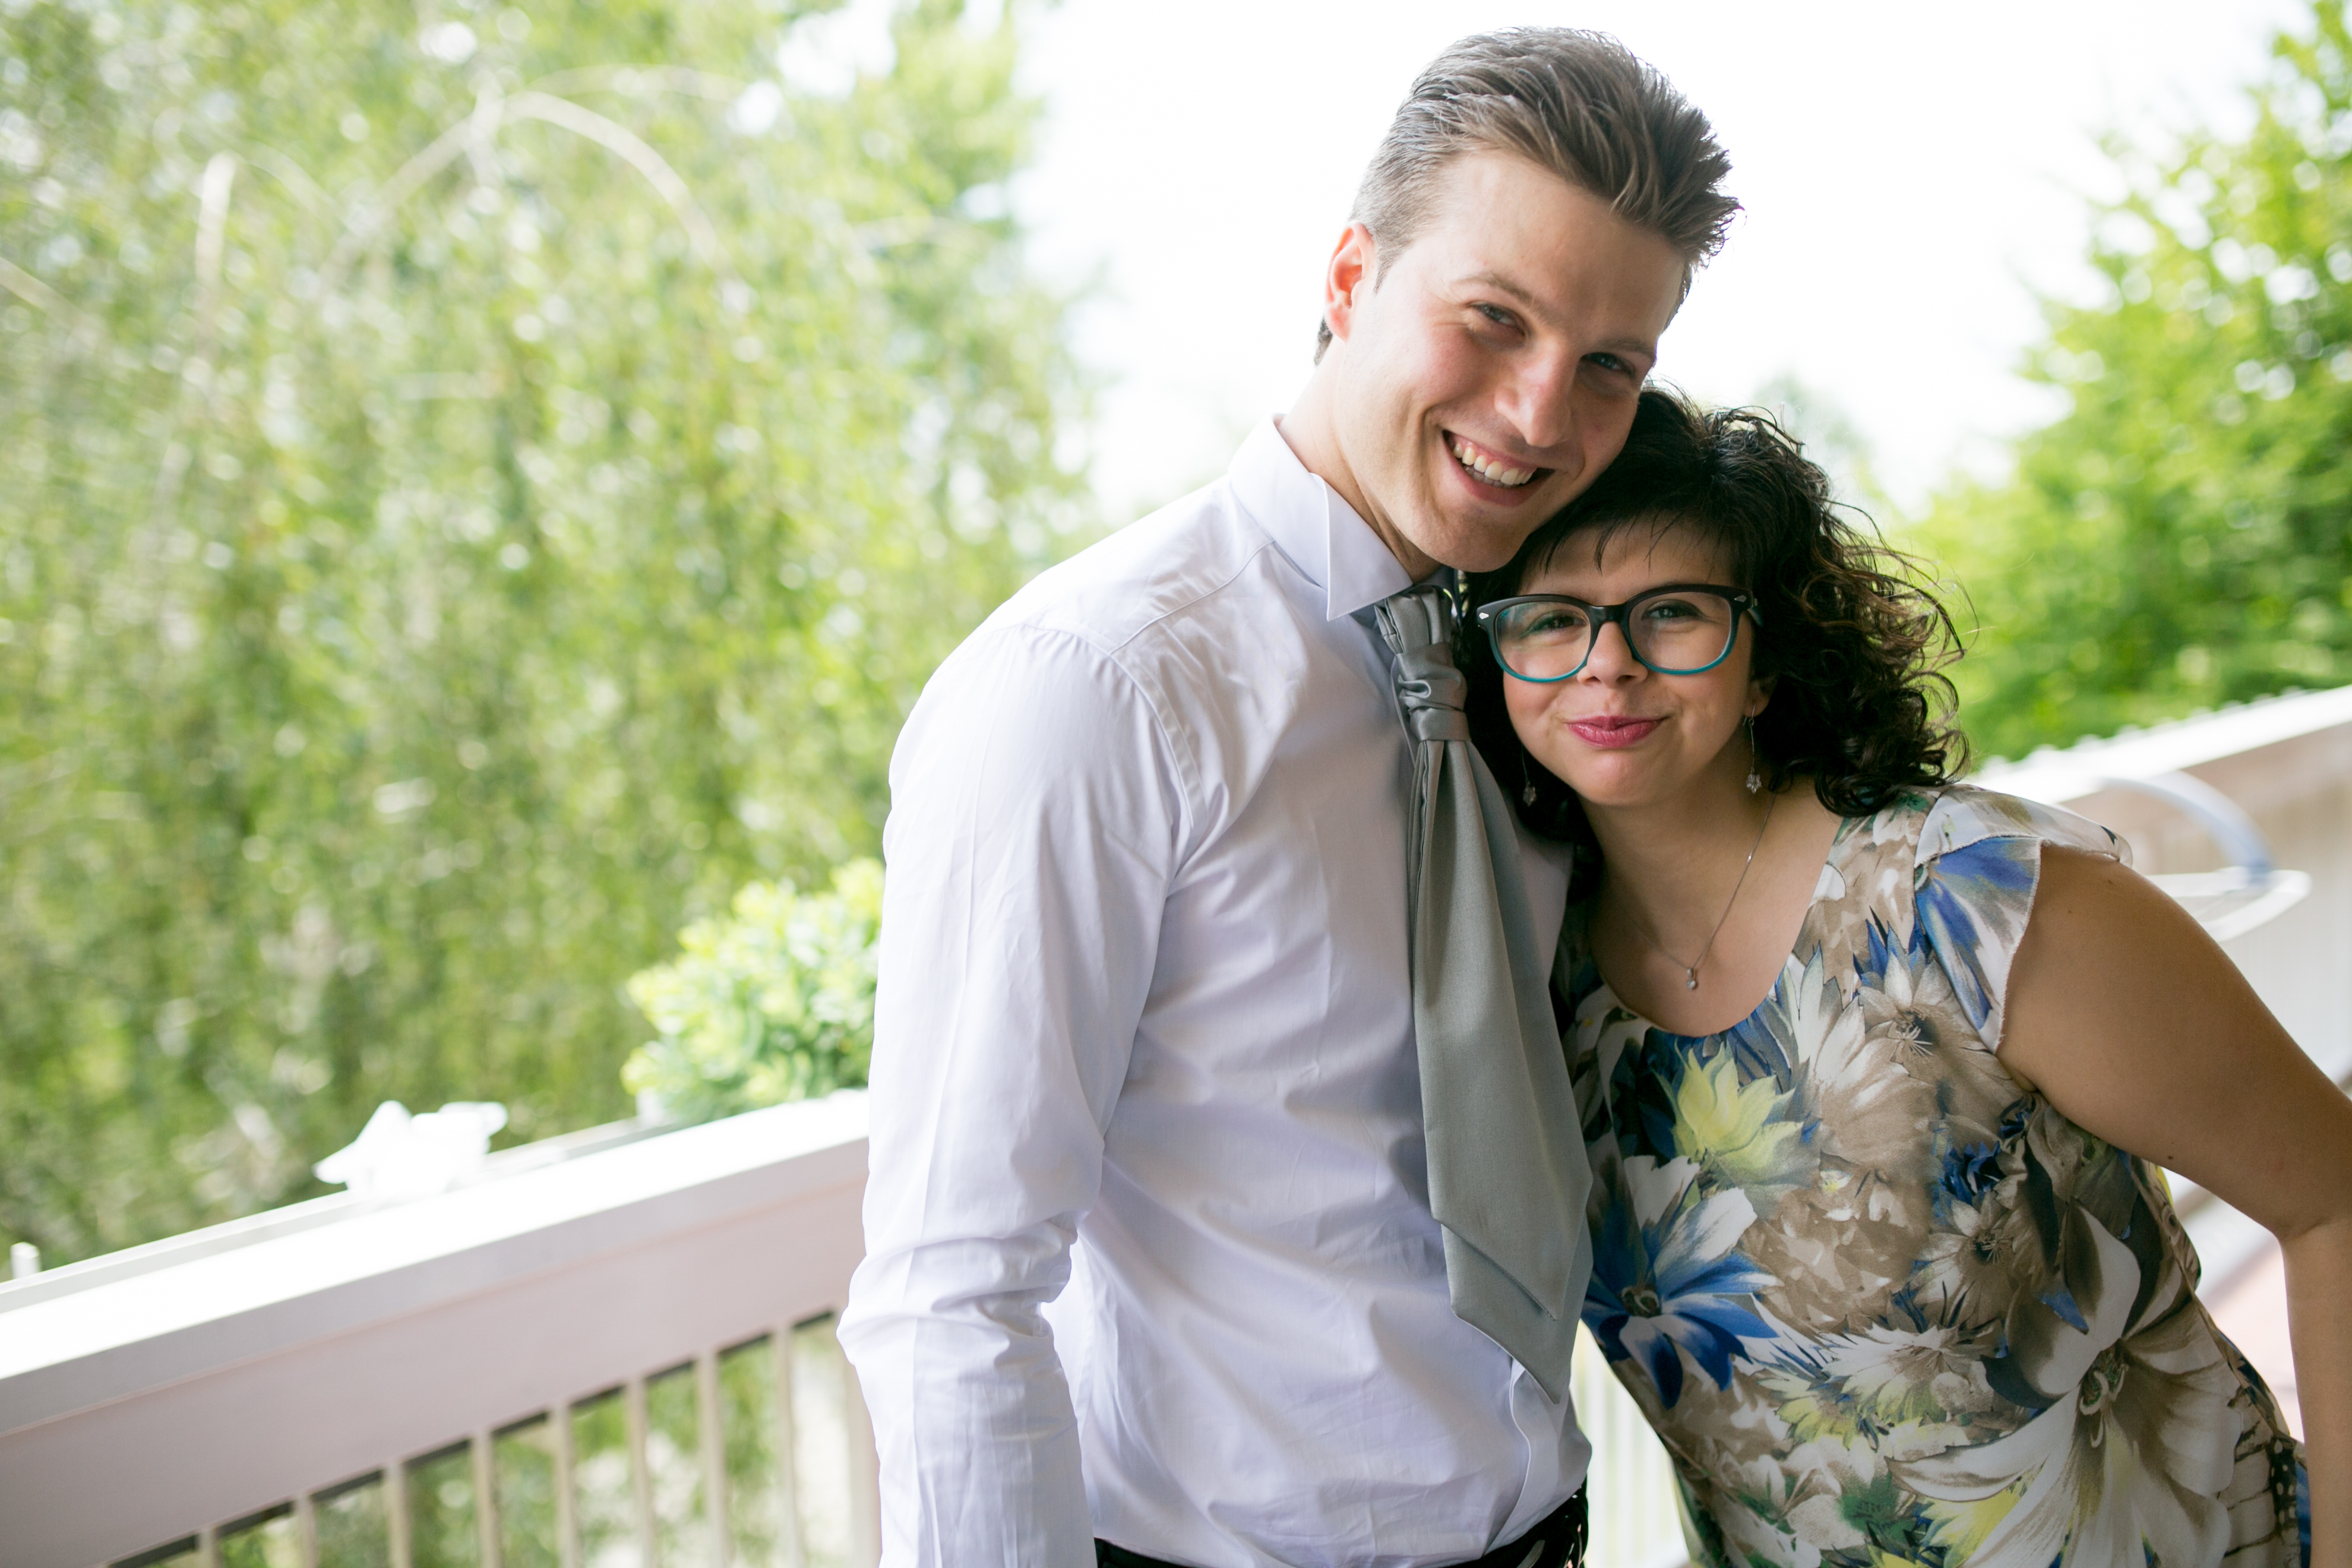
(773, 1002)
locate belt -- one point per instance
(1556, 1541)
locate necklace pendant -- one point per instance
(1691, 981)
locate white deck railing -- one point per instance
(624, 1355)
(612, 1350)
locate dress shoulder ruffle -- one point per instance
(1960, 815)
(1976, 869)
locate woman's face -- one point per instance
(1617, 733)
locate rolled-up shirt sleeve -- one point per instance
(1036, 819)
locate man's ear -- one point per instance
(1345, 275)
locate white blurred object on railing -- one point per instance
(398, 1156)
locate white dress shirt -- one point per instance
(1144, 1072)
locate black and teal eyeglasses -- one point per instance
(1681, 629)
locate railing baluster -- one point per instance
(486, 1498)
(395, 1514)
(788, 1478)
(641, 1478)
(306, 1530)
(208, 1550)
(567, 1505)
(715, 1501)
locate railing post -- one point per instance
(641, 1478)
(395, 1513)
(567, 1506)
(714, 1456)
(305, 1528)
(486, 1498)
(788, 1475)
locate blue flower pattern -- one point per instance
(1661, 1291)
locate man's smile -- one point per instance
(1491, 467)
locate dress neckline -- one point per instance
(1837, 850)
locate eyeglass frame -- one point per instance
(1742, 602)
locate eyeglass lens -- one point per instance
(1675, 633)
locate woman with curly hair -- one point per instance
(1875, 1069)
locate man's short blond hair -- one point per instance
(1577, 103)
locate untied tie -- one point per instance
(1507, 1171)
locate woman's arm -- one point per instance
(2134, 1025)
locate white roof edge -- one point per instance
(2056, 776)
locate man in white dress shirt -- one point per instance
(1144, 1060)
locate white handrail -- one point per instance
(139, 1407)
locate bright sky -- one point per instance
(1911, 172)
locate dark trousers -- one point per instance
(1556, 1542)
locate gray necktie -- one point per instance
(1507, 1173)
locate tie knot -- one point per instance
(1419, 626)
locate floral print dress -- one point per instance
(1884, 1305)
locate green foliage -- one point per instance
(2183, 537)
(774, 1002)
(477, 484)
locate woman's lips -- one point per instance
(1611, 733)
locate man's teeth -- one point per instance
(1492, 472)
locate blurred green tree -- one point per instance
(477, 484)
(2183, 536)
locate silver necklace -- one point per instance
(1690, 971)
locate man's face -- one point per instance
(1492, 371)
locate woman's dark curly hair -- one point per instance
(1855, 644)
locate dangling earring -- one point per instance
(1527, 782)
(1754, 782)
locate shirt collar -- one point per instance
(1309, 523)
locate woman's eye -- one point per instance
(1497, 315)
